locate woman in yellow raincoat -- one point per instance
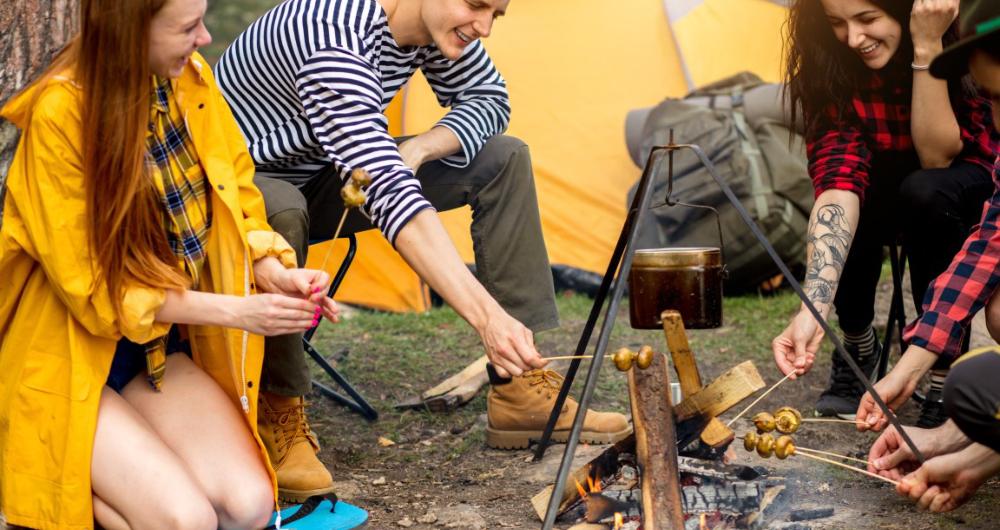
(131, 230)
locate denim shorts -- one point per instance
(130, 358)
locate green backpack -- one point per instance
(762, 161)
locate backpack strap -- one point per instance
(748, 144)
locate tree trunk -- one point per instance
(31, 31)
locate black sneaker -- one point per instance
(843, 396)
(932, 412)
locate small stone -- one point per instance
(379, 481)
(427, 443)
(428, 518)
(405, 522)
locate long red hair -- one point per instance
(110, 57)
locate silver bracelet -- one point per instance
(920, 67)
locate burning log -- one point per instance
(656, 446)
(606, 464)
(722, 494)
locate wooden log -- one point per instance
(722, 394)
(680, 352)
(656, 446)
(470, 374)
(716, 433)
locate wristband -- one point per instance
(920, 67)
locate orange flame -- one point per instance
(702, 522)
(619, 520)
(593, 485)
(579, 489)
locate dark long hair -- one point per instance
(821, 71)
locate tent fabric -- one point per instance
(574, 68)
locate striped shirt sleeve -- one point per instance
(477, 96)
(342, 94)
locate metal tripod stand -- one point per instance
(614, 281)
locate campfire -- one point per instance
(673, 471)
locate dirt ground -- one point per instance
(439, 473)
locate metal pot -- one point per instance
(685, 279)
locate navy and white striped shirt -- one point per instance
(309, 81)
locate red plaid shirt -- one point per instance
(962, 290)
(877, 122)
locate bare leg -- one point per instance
(138, 478)
(206, 430)
(108, 517)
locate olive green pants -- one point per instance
(511, 260)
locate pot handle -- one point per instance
(669, 201)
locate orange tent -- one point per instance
(574, 68)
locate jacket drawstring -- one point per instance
(244, 400)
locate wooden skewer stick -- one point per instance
(762, 396)
(845, 457)
(336, 234)
(830, 420)
(624, 358)
(845, 466)
(569, 357)
(822, 420)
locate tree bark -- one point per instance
(31, 31)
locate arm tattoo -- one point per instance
(828, 241)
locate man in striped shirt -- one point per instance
(308, 83)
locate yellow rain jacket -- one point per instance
(57, 328)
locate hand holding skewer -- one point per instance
(354, 196)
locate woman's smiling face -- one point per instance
(866, 29)
(176, 31)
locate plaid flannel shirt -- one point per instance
(877, 122)
(955, 296)
(176, 172)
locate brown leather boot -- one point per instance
(518, 411)
(292, 447)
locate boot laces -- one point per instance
(293, 426)
(546, 381)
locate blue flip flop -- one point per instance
(320, 513)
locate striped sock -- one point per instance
(862, 342)
(937, 378)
